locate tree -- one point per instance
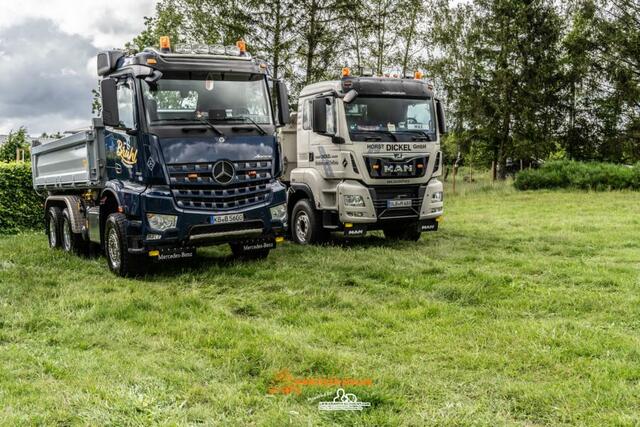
(16, 140)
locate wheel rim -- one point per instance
(66, 235)
(302, 226)
(113, 248)
(53, 236)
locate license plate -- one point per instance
(227, 219)
(401, 203)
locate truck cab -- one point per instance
(363, 153)
(186, 156)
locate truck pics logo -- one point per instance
(343, 402)
(223, 172)
(127, 153)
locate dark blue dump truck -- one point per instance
(185, 155)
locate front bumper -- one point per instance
(199, 228)
(390, 203)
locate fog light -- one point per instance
(162, 222)
(353, 201)
(437, 196)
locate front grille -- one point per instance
(381, 195)
(194, 187)
(383, 167)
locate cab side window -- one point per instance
(126, 105)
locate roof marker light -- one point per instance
(346, 72)
(242, 45)
(418, 75)
(165, 44)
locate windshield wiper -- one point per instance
(260, 129)
(243, 119)
(208, 123)
(388, 132)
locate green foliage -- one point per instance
(20, 207)
(522, 310)
(579, 175)
(16, 140)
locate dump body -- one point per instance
(73, 162)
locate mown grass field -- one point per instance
(524, 309)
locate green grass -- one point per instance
(524, 309)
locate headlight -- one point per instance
(279, 212)
(437, 196)
(162, 222)
(353, 201)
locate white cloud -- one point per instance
(47, 57)
(107, 23)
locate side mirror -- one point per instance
(109, 92)
(283, 102)
(350, 96)
(442, 121)
(320, 115)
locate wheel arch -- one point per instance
(109, 204)
(299, 192)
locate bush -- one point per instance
(20, 207)
(584, 176)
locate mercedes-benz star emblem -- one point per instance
(223, 172)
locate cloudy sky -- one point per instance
(47, 57)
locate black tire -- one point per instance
(116, 248)
(53, 227)
(306, 224)
(72, 242)
(408, 232)
(256, 254)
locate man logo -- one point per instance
(407, 168)
(223, 172)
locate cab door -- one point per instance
(122, 144)
(326, 152)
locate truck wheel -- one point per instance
(306, 224)
(120, 261)
(72, 242)
(52, 226)
(410, 233)
(239, 252)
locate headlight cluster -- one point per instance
(279, 212)
(353, 201)
(162, 222)
(437, 196)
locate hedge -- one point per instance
(579, 175)
(20, 207)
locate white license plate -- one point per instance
(401, 203)
(227, 219)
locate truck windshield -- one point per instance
(385, 115)
(213, 97)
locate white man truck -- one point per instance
(363, 153)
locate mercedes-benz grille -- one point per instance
(194, 185)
